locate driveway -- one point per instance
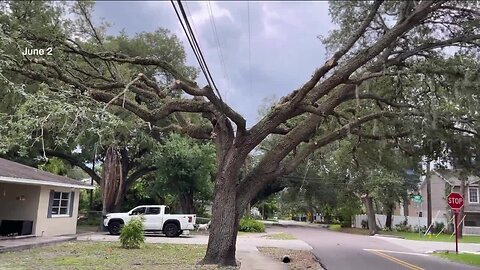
(344, 251)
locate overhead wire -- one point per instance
(195, 46)
(191, 17)
(189, 39)
(217, 39)
(249, 49)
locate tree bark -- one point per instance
(225, 214)
(372, 223)
(406, 204)
(113, 180)
(225, 220)
(389, 213)
(248, 211)
(186, 202)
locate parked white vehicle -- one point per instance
(157, 218)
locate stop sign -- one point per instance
(455, 200)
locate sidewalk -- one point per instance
(247, 252)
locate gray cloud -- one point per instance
(284, 47)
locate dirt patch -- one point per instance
(355, 231)
(300, 259)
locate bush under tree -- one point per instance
(251, 225)
(131, 235)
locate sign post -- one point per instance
(418, 199)
(455, 201)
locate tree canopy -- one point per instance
(384, 58)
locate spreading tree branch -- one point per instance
(74, 162)
(138, 174)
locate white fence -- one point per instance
(411, 220)
(471, 230)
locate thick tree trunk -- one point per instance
(372, 224)
(389, 213)
(406, 203)
(224, 228)
(117, 206)
(248, 211)
(225, 215)
(186, 203)
(113, 181)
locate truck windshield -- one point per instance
(138, 211)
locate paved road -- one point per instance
(344, 251)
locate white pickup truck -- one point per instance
(157, 218)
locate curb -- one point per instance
(298, 225)
(452, 252)
(389, 236)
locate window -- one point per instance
(138, 211)
(473, 195)
(167, 210)
(153, 211)
(61, 203)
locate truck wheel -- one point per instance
(171, 230)
(114, 227)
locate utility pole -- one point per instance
(91, 183)
(429, 195)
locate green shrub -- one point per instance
(131, 235)
(251, 225)
(364, 224)
(335, 227)
(438, 227)
(403, 227)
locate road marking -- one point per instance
(397, 261)
(397, 252)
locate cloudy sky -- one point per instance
(284, 47)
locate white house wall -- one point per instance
(439, 202)
(55, 225)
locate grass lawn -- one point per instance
(440, 238)
(410, 235)
(338, 228)
(280, 236)
(105, 255)
(472, 259)
(248, 233)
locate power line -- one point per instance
(195, 52)
(249, 49)
(219, 47)
(191, 17)
(195, 46)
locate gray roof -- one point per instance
(16, 170)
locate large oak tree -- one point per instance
(375, 41)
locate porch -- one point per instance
(17, 243)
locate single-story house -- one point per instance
(35, 202)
